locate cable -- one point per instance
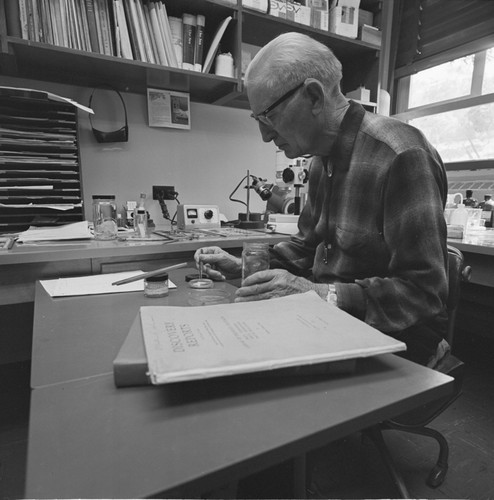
(164, 208)
(234, 191)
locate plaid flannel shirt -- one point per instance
(373, 224)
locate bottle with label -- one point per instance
(470, 201)
(141, 218)
(487, 210)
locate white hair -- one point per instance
(289, 59)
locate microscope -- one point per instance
(285, 198)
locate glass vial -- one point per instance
(255, 257)
(104, 217)
(141, 218)
(156, 286)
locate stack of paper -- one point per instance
(74, 231)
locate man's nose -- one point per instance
(267, 132)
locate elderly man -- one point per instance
(372, 235)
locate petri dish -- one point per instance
(209, 297)
(201, 283)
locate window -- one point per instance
(453, 104)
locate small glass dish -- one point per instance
(208, 297)
(201, 283)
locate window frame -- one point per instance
(475, 98)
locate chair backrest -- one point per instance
(457, 272)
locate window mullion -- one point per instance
(478, 73)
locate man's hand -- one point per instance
(218, 264)
(272, 283)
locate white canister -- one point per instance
(459, 216)
(224, 65)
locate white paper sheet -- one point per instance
(94, 285)
(73, 231)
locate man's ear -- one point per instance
(315, 92)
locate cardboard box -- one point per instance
(277, 8)
(370, 34)
(259, 5)
(343, 18)
(365, 17)
(302, 14)
(361, 94)
(319, 13)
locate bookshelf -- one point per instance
(46, 62)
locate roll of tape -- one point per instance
(224, 65)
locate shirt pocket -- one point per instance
(365, 252)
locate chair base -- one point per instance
(415, 422)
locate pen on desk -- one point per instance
(150, 273)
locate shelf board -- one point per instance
(39, 61)
(259, 28)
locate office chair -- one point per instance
(416, 421)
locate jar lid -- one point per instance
(103, 196)
(158, 277)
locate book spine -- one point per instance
(133, 26)
(98, 27)
(145, 23)
(153, 44)
(157, 33)
(106, 33)
(38, 34)
(130, 373)
(47, 21)
(81, 19)
(199, 45)
(125, 46)
(166, 33)
(13, 19)
(91, 23)
(24, 19)
(30, 20)
(177, 38)
(64, 22)
(118, 40)
(188, 40)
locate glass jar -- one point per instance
(156, 286)
(104, 217)
(255, 257)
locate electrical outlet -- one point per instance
(163, 193)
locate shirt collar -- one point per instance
(342, 150)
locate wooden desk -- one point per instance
(476, 311)
(21, 266)
(478, 249)
(88, 439)
(69, 330)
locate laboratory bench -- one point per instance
(24, 264)
(476, 310)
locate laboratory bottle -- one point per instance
(141, 218)
(104, 217)
(459, 216)
(487, 210)
(469, 200)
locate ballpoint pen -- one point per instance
(150, 273)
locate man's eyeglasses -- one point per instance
(263, 115)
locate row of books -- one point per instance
(133, 29)
(83, 25)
